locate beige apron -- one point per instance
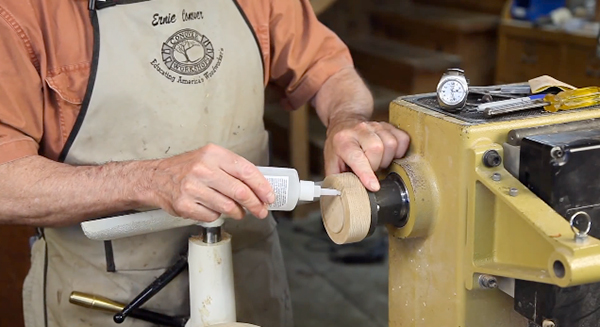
(168, 76)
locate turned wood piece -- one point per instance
(347, 217)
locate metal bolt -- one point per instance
(513, 191)
(496, 177)
(492, 159)
(557, 153)
(548, 323)
(488, 282)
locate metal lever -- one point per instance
(157, 285)
(101, 303)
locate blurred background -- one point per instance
(400, 48)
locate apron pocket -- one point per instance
(153, 251)
(173, 299)
(122, 287)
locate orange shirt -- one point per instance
(46, 52)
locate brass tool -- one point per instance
(96, 302)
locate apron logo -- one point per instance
(188, 57)
(187, 52)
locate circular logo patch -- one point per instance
(188, 52)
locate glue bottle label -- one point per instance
(280, 185)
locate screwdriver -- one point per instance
(573, 99)
(565, 100)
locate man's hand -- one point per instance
(211, 181)
(344, 104)
(364, 147)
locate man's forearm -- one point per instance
(344, 96)
(201, 184)
(39, 192)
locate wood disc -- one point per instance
(347, 217)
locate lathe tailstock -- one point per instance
(499, 218)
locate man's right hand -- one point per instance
(208, 182)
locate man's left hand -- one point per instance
(363, 147)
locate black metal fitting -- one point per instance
(211, 235)
(488, 282)
(391, 204)
(492, 158)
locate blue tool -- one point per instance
(532, 10)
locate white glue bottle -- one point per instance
(289, 189)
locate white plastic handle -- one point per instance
(133, 225)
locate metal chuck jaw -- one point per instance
(211, 235)
(355, 214)
(391, 204)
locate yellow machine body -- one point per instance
(463, 224)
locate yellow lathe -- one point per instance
(492, 221)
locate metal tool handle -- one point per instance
(157, 285)
(101, 303)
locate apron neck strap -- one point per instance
(100, 4)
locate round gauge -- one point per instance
(451, 92)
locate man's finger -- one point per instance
(372, 146)
(215, 201)
(239, 192)
(189, 209)
(390, 144)
(248, 173)
(403, 140)
(334, 165)
(355, 158)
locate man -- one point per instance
(159, 104)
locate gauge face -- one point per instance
(452, 92)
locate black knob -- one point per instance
(119, 318)
(492, 159)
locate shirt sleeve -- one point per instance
(304, 52)
(21, 101)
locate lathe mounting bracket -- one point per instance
(513, 233)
